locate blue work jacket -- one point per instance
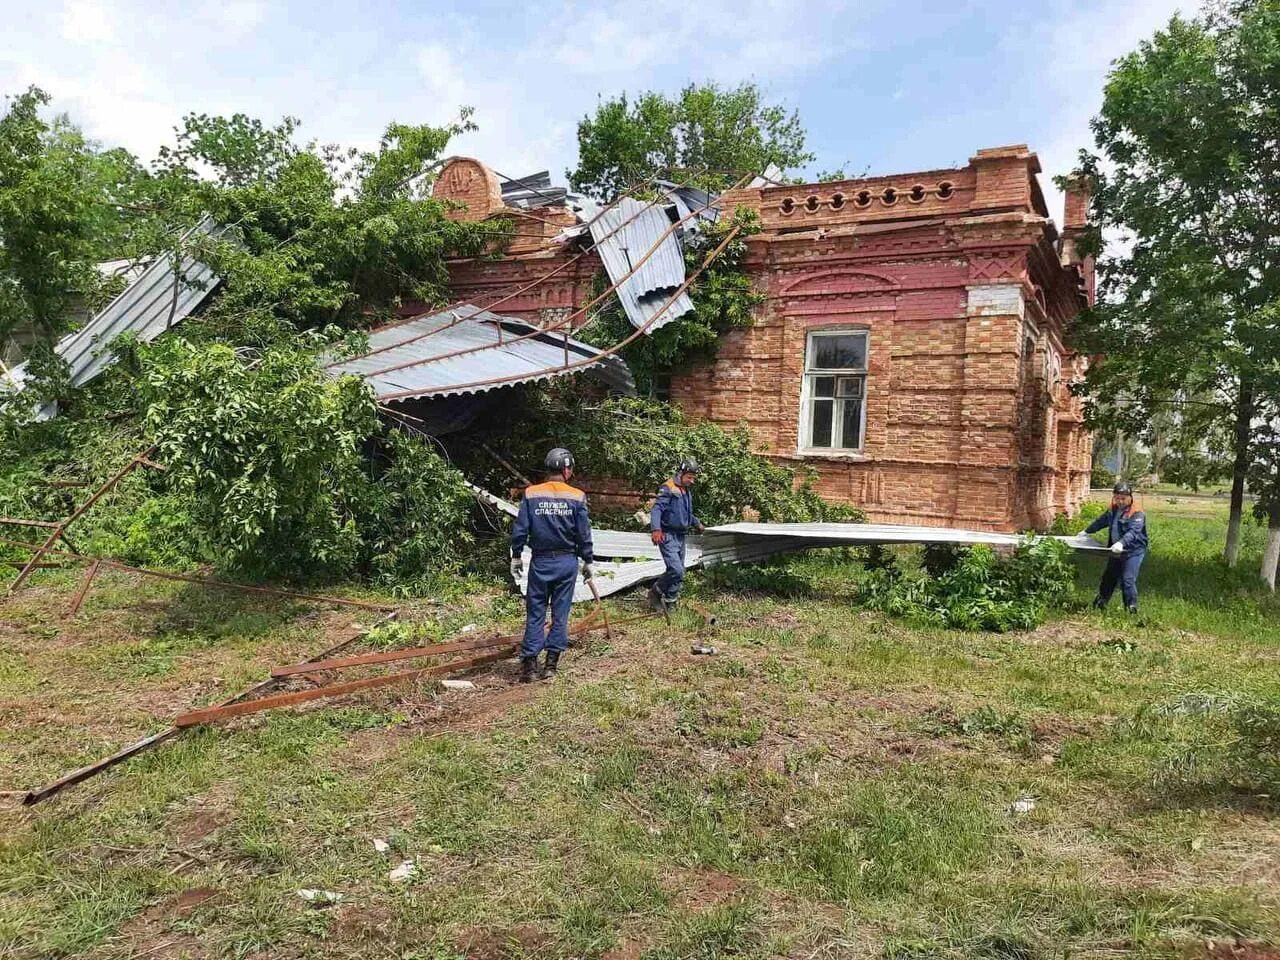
(673, 509)
(1127, 527)
(553, 517)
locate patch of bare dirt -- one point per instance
(202, 819)
(628, 950)
(149, 934)
(363, 921)
(699, 890)
(485, 943)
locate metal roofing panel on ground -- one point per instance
(412, 359)
(645, 293)
(753, 542)
(159, 298)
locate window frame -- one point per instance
(804, 438)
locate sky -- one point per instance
(881, 87)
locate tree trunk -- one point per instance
(1243, 433)
(1271, 556)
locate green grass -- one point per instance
(832, 783)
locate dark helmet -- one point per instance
(558, 459)
(689, 465)
(1122, 487)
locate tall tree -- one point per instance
(1188, 173)
(709, 134)
(61, 203)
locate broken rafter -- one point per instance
(90, 575)
(439, 649)
(196, 717)
(564, 323)
(106, 763)
(80, 511)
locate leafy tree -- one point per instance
(1188, 173)
(61, 202)
(321, 235)
(283, 471)
(709, 134)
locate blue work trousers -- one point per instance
(1122, 570)
(551, 581)
(672, 550)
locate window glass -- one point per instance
(837, 351)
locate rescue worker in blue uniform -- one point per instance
(553, 520)
(670, 520)
(1127, 537)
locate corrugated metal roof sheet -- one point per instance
(753, 542)
(159, 298)
(644, 294)
(405, 358)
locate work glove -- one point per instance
(699, 528)
(517, 568)
(657, 536)
(1118, 547)
(588, 571)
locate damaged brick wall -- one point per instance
(964, 293)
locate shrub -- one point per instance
(979, 589)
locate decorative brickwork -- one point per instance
(958, 281)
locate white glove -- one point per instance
(1118, 547)
(587, 570)
(517, 568)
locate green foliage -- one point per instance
(322, 235)
(59, 215)
(709, 135)
(268, 453)
(1185, 170)
(269, 459)
(1205, 739)
(413, 517)
(979, 589)
(640, 442)
(722, 296)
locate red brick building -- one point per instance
(910, 350)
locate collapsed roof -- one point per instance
(466, 350)
(157, 299)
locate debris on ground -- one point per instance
(1022, 806)
(320, 898)
(406, 871)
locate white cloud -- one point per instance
(1080, 51)
(237, 17)
(88, 22)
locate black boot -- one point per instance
(528, 666)
(552, 664)
(1098, 603)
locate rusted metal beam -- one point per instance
(268, 591)
(19, 522)
(89, 576)
(197, 717)
(146, 462)
(80, 511)
(390, 656)
(146, 743)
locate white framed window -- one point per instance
(833, 408)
